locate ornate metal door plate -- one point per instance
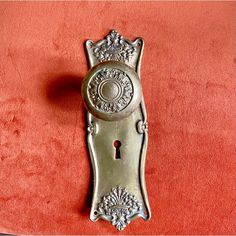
(117, 129)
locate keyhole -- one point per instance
(117, 145)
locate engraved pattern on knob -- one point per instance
(111, 90)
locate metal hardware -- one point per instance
(117, 129)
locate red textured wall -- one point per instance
(188, 79)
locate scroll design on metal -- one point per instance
(117, 129)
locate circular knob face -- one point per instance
(111, 90)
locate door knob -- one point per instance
(111, 90)
(117, 129)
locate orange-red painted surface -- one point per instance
(188, 79)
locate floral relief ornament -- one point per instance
(114, 48)
(124, 87)
(119, 206)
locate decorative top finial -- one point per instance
(113, 48)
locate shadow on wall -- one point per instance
(64, 91)
(7, 234)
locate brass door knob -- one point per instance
(117, 129)
(111, 90)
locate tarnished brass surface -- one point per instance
(117, 129)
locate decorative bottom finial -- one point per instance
(119, 206)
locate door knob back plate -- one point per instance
(117, 129)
